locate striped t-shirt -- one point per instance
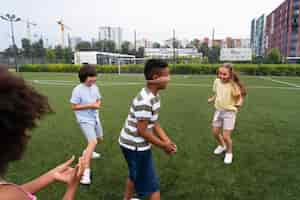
(145, 106)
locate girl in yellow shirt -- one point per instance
(228, 98)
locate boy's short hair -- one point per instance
(153, 66)
(86, 71)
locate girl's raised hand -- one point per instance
(66, 174)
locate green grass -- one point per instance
(266, 139)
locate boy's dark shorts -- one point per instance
(141, 171)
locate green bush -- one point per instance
(248, 69)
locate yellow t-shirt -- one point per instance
(226, 95)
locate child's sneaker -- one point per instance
(219, 150)
(95, 155)
(228, 158)
(86, 177)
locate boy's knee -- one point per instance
(93, 142)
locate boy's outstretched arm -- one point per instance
(95, 105)
(163, 136)
(152, 138)
(161, 133)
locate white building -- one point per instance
(245, 43)
(169, 42)
(236, 54)
(143, 43)
(169, 52)
(111, 33)
(184, 42)
(97, 57)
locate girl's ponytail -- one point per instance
(235, 78)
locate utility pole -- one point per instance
(28, 25)
(213, 41)
(135, 42)
(213, 37)
(174, 52)
(11, 19)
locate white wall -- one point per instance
(236, 54)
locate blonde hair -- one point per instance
(235, 78)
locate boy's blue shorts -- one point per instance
(141, 171)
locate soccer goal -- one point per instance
(125, 61)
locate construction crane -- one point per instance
(62, 29)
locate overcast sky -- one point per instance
(152, 19)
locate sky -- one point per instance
(152, 19)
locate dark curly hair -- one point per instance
(85, 71)
(20, 107)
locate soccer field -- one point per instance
(266, 140)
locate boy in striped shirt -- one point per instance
(141, 130)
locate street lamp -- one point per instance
(12, 18)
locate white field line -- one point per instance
(282, 82)
(73, 83)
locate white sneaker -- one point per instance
(95, 155)
(228, 158)
(86, 177)
(219, 150)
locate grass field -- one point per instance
(266, 140)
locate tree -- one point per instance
(67, 54)
(50, 55)
(105, 46)
(10, 51)
(204, 49)
(38, 49)
(26, 46)
(140, 52)
(176, 44)
(188, 46)
(59, 53)
(156, 45)
(274, 56)
(99, 45)
(83, 45)
(110, 46)
(196, 43)
(125, 47)
(214, 54)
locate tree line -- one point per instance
(58, 54)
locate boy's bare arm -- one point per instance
(95, 105)
(152, 138)
(164, 137)
(161, 133)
